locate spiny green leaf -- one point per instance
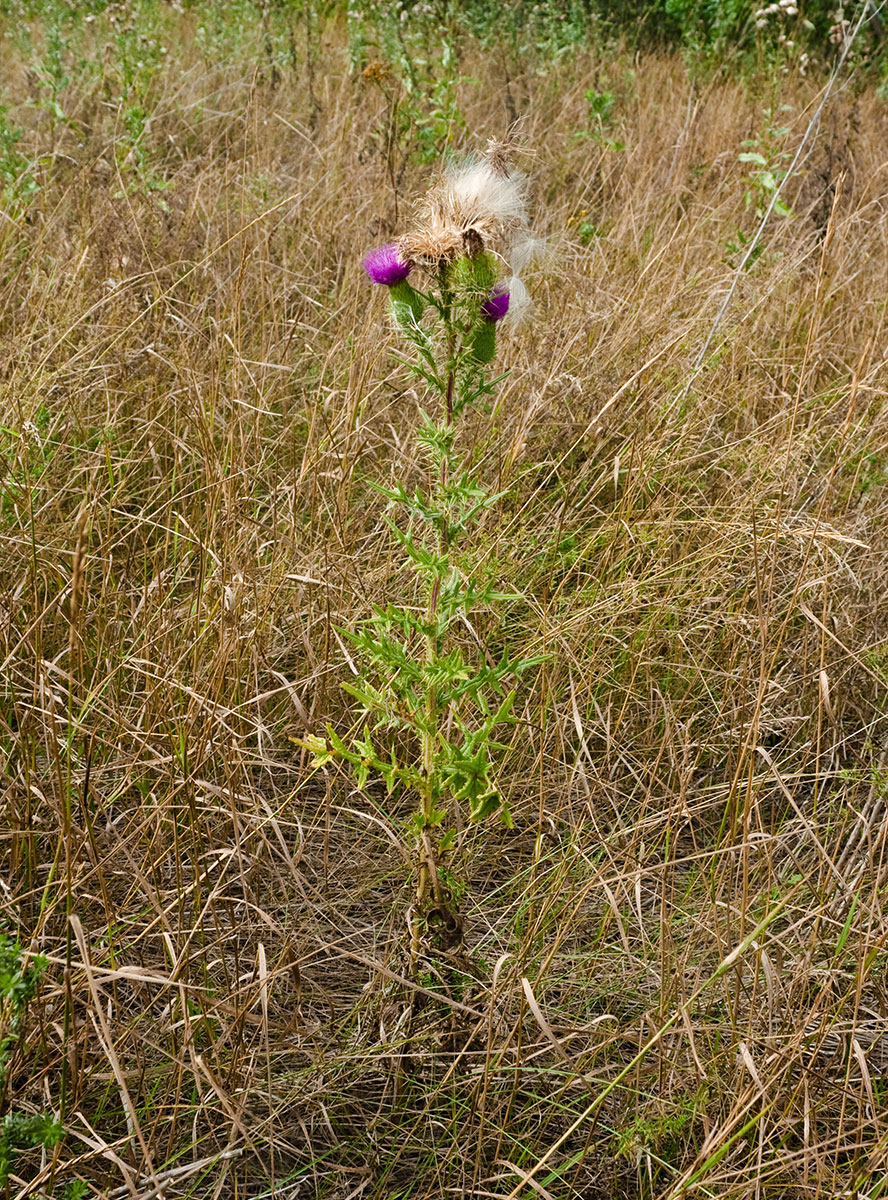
(485, 805)
(317, 747)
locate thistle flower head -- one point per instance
(386, 265)
(478, 205)
(496, 305)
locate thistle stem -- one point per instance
(427, 879)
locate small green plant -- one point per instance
(25, 1131)
(763, 180)
(430, 707)
(18, 986)
(767, 158)
(77, 1189)
(52, 73)
(17, 182)
(436, 121)
(601, 107)
(658, 1138)
(766, 161)
(138, 53)
(136, 123)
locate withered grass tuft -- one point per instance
(683, 981)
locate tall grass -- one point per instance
(680, 969)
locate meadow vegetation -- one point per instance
(672, 980)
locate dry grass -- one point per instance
(702, 557)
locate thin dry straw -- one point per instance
(652, 1041)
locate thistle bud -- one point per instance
(484, 342)
(496, 305)
(473, 276)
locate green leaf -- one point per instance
(485, 805)
(338, 744)
(317, 747)
(436, 563)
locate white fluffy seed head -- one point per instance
(477, 191)
(474, 199)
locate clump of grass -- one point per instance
(198, 390)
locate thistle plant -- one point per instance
(431, 707)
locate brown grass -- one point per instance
(701, 556)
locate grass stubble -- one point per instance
(683, 985)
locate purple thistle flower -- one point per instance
(496, 305)
(385, 265)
